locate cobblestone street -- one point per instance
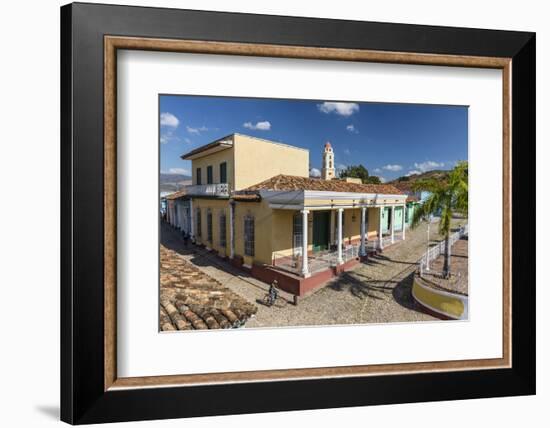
(373, 292)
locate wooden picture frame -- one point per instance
(91, 390)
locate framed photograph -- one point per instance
(293, 213)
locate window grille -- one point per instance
(198, 178)
(199, 222)
(209, 175)
(223, 229)
(209, 226)
(249, 236)
(223, 172)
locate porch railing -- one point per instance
(435, 251)
(221, 189)
(374, 244)
(317, 262)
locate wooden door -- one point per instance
(321, 230)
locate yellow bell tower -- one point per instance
(328, 171)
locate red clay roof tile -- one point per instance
(291, 182)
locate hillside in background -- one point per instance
(438, 174)
(173, 182)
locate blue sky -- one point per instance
(390, 140)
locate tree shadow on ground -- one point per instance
(362, 288)
(402, 293)
(348, 281)
(378, 258)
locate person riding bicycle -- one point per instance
(272, 294)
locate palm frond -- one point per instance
(428, 184)
(447, 197)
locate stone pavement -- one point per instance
(458, 282)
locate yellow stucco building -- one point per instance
(253, 202)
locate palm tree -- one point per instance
(448, 196)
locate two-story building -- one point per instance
(253, 202)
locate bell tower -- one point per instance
(328, 171)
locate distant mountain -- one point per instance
(438, 174)
(173, 178)
(173, 182)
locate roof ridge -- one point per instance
(295, 182)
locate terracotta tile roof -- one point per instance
(192, 300)
(412, 198)
(405, 186)
(176, 195)
(290, 182)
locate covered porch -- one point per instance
(337, 237)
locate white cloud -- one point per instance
(347, 152)
(168, 119)
(377, 170)
(351, 128)
(181, 171)
(413, 172)
(167, 135)
(259, 126)
(382, 179)
(314, 172)
(342, 109)
(428, 165)
(393, 168)
(196, 131)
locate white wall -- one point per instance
(29, 166)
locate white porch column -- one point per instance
(403, 221)
(380, 237)
(191, 220)
(392, 223)
(363, 210)
(231, 230)
(305, 268)
(339, 241)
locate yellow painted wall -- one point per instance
(373, 222)
(215, 159)
(257, 160)
(215, 205)
(447, 304)
(262, 231)
(353, 180)
(353, 229)
(281, 232)
(312, 204)
(352, 225)
(253, 160)
(273, 228)
(322, 203)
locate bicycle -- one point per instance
(272, 294)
